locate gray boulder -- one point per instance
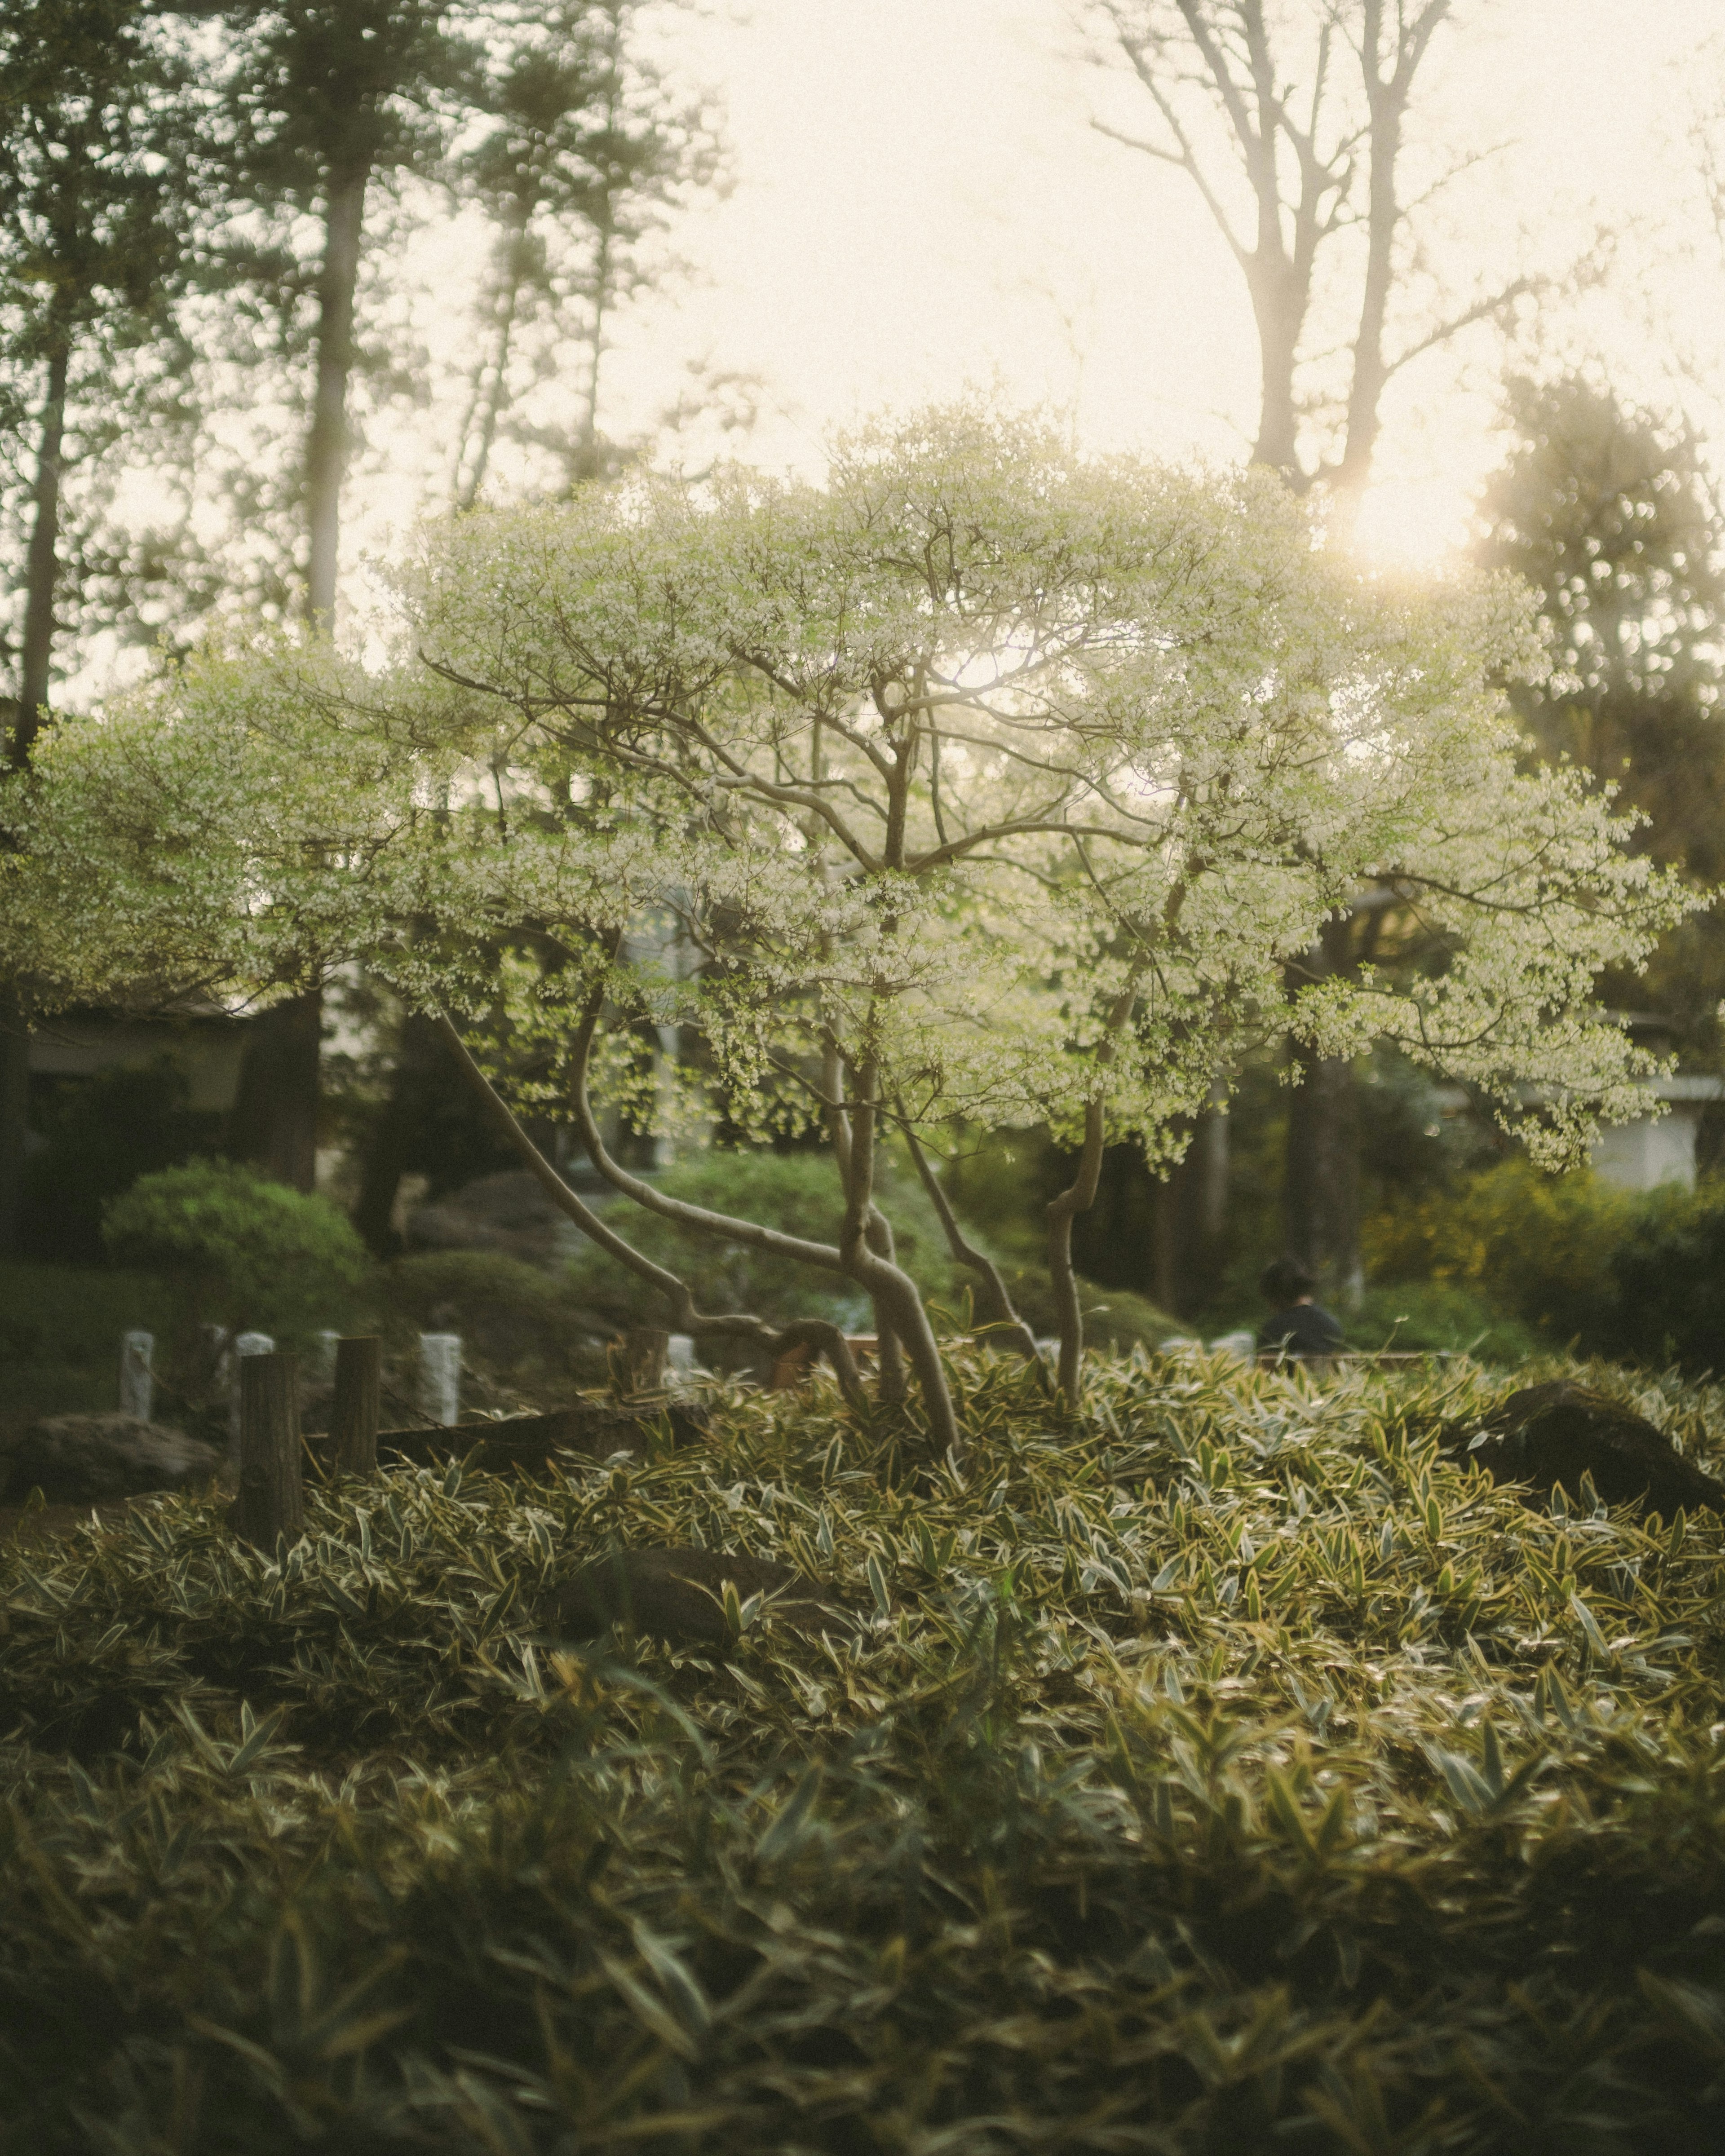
(508, 1213)
(92, 1459)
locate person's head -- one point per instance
(1285, 1281)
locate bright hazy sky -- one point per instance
(921, 205)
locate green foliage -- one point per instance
(1639, 1277)
(1536, 1247)
(65, 1314)
(1608, 513)
(1669, 1270)
(1438, 1314)
(528, 1325)
(102, 1133)
(796, 1192)
(241, 1251)
(1113, 1317)
(60, 1335)
(95, 212)
(1224, 1769)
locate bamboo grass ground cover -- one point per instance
(1223, 1771)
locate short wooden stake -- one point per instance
(643, 1360)
(244, 1344)
(358, 1404)
(271, 1498)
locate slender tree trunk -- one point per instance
(898, 1305)
(1077, 1198)
(1371, 373)
(14, 1119)
(994, 1305)
(42, 572)
(275, 1119)
(43, 569)
(1189, 1217)
(1280, 311)
(587, 455)
(815, 1333)
(1321, 1172)
(489, 388)
(326, 444)
(390, 1146)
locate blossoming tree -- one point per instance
(985, 781)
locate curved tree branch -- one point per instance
(826, 1339)
(996, 1302)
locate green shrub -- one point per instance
(59, 1336)
(73, 1314)
(1669, 1272)
(1412, 1315)
(1639, 1277)
(1534, 1247)
(531, 1327)
(240, 1251)
(798, 1192)
(102, 1132)
(1114, 1318)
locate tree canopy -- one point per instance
(984, 779)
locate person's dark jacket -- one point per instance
(1306, 1329)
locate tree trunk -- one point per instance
(326, 444)
(1321, 1172)
(274, 1121)
(42, 572)
(389, 1147)
(1279, 308)
(14, 1119)
(274, 1118)
(491, 386)
(43, 568)
(1371, 374)
(1078, 1198)
(901, 1319)
(1200, 1196)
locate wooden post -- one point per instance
(244, 1344)
(271, 1501)
(641, 1363)
(357, 1411)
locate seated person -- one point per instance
(1300, 1326)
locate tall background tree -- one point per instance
(1606, 511)
(322, 107)
(581, 155)
(585, 157)
(93, 205)
(1296, 125)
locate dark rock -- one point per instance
(678, 1594)
(91, 1459)
(591, 1427)
(1545, 1435)
(511, 1213)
